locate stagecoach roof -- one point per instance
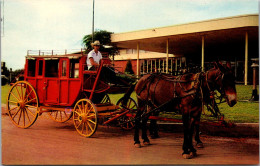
(186, 38)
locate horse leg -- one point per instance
(141, 107)
(190, 144)
(153, 128)
(185, 146)
(137, 127)
(197, 135)
(146, 140)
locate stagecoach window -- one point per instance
(40, 67)
(31, 68)
(64, 68)
(51, 68)
(74, 68)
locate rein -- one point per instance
(212, 92)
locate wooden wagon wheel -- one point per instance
(85, 117)
(131, 104)
(60, 116)
(22, 104)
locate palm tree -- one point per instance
(102, 35)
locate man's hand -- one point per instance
(92, 62)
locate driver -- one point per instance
(94, 56)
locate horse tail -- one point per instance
(128, 93)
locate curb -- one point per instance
(240, 130)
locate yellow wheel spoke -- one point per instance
(87, 130)
(28, 95)
(10, 101)
(25, 91)
(92, 121)
(56, 114)
(23, 117)
(20, 116)
(82, 106)
(30, 100)
(18, 92)
(30, 112)
(16, 113)
(93, 115)
(13, 108)
(79, 108)
(90, 110)
(14, 96)
(79, 124)
(28, 116)
(21, 90)
(60, 115)
(77, 112)
(90, 127)
(31, 106)
(82, 129)
(65, 114)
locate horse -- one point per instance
(186, 93)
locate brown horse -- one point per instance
(185, 93)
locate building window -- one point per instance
(129, 51)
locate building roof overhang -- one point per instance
(187, 38)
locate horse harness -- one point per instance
(194, 91)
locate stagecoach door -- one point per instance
(51, 82)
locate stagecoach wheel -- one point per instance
(60, 116)
(22, 104)
(132, 105)
(106, 99)
(85, 117)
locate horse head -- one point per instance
(222, 79)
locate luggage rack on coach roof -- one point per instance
(55, 52)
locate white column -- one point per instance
(138, 62)
(167, 55)
(202, 53)
(246, 58)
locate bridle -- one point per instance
(213, 94)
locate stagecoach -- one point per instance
(61, 86)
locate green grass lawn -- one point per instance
(242, 112)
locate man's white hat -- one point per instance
(96, 43)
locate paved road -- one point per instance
(48, 142)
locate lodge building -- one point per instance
(169, 49)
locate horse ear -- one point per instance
(215, 65)
(229, 65)
(219, 65)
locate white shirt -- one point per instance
(96, 57)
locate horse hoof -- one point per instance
(147, 143)
(138, 145)
(200, 145)
(186, 156)
(193, 154)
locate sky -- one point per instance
(61, 24)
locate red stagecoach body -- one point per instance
(59, 79)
